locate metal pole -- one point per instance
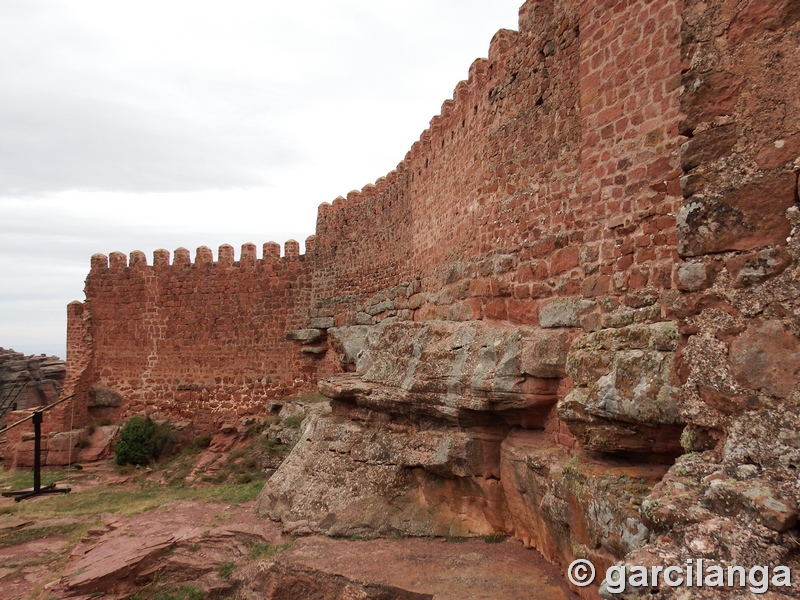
(37, 451)
(38, 490)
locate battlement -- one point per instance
(271, 253)
(601, 213)
(468, 96)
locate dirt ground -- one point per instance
(131, 536)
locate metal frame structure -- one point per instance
(37, 490)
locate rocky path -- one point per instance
(195, 548)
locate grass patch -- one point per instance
(314, 398)
(29, 534)
(201, 442)
(155, 591)
(274, 447)
(495, 538)
(177, 468)
(356, 537)
(293, 421)
(225, 570)
(16, 480)
(129, 501)
(262, 550)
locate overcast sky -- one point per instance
(160, 124)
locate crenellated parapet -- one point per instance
(586, 265)
(468, 96)
(226, 258)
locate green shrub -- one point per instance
(141, 441)
(263, 550)
(202, 441)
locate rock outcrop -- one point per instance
(570, 314)
(445, 429)
(28, 381)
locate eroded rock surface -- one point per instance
(626, 390)
(411, 569)
(448, 429)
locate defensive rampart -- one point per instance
(198, 341)
(584, 271)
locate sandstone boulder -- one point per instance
(626, 389)
(349, 478)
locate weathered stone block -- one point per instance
(372, 479)
(304, 336)
(747, 218)
(709, 95)
(315, 350)
(766, 357)
(321, 322)
(100, 395)
(755, 267)
(779, 152)
(568, 505)
(563, 312)
(349, 342)
(544, 353)
(694, 276)
(626, 391)
(758, 16)
(708, 146)
(457, 371)
(610, 435)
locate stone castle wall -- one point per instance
(553, 172)
(544, 194)
(584, 269)
(192, 341)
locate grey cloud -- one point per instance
(51, 144)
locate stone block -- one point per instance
(766, 357)
(756, 267)
(709, 95)
(750, 217)
(100, 395)
(304, 336)
(694, 276)
(626, 389)
(563, 312)
(544, 353)
(708, 146)
(314, 350)
(349, 342)
(779, 152)
(321, 322)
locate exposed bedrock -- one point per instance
(574, 505)
(450, 429)
(626, 390)
(458, 373)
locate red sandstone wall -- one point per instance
(200, 342)
(551, 177)
(740, 307)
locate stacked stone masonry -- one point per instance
(570, 314)
(200, 341)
